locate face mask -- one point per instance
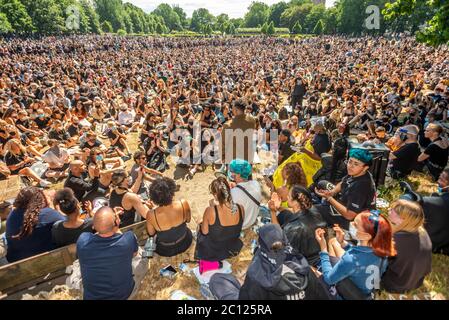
(99, 158)
(352, 231)
(442, 190)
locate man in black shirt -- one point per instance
(405, 159)
(78, 180)
(285, 150)
(299, 90)
(321, 142)
(436, 154)
(58, 133)
(74, 128)
(357, 191)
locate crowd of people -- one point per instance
(70, 105)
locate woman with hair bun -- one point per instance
(300, 223)
(28, 228)
(219, 235)
(67, 232)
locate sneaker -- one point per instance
(45, 183)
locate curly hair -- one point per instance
(295, 174)
(32, 200)
(221, 189)
(302, 196)
(162, 191)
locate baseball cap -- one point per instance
(241, 167)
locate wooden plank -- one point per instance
(9, 188)
(28, 272)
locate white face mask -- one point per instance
(353, 231)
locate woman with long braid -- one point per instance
(28, 228)
(219, 236)
(299, 224)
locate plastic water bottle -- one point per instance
(253, 246)
(149, 248)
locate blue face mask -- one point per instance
(442, 190)
(99, 158)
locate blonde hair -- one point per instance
(8, 145)
(412, 215)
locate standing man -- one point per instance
(298, 92)
(241, 128)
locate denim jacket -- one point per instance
(359, 263)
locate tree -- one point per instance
(297, 29)
(258, 13)
(182, 16)
(111, 11)
(171, 18)
(5, 26)
(17, 15)
(92, 16)
(238, 23)
(276, 11)
(230, 28)
(46, 15)
(426, 18)
(200, 18)
(271, 30)
(221, 22)
(317, 13)
(296, 13)
(264, 29)
(106, 26)
(330, 21)
(319, 28)
(207, 30)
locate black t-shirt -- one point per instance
(42, 123)
(437, 155)
(63, 236)
(321, 143)
(24, 123)
(358, 194)
(73, 130)
(58, 135)
(407, 158)
(112, 136)
(86, 144)
(11, 159)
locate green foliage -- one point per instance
(297, 28)
(106, 26)
(201, 18)
(264, 29)
(428, 18)
(276, 11)
(296, 13)
(319, 28)
(258, 13)
(271, 30)
(17, 16)
(171, 18)
(182, 16)
(5, 26)
(111, 10)
(46, 15)
(121, 32)
(92, 17)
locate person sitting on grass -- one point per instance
(299, 222)
(58, 160)
(219, 234)
(167, 219)
(413, 261)
(357, 191)
(19, 162)
(365, 263)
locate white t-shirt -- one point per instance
(251, 209)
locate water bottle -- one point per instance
(253, 246)
(149, 248)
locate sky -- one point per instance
(234, 8)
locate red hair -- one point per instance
(382, 241)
